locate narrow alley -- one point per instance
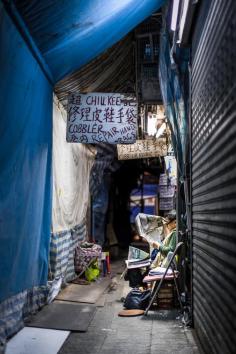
(159, 332)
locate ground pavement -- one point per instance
(160, 332)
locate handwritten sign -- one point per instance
(142, 149)
(101, 117)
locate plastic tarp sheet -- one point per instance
(71, 171)
(174, 99)
(25, 164)
(99, 210)
(105, 161)
(18, 308)
(71, 33)
(62, 252)
(64, 36)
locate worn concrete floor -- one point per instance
(159, 332)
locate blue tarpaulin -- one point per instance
(71, 33)
(25, 165)
(174, 98)
(40, 43)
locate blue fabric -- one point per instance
(62, 251)
(175, 99)
(25, 165)
(62, 36)
(71, 33)
(18, 308)
(99, 210)
(149, 190)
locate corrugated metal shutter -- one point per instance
(214, 177)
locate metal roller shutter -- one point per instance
(214, 177)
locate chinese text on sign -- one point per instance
(101, 117)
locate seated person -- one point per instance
(169, 242)
(135, 276)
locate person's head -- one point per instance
(171, 220)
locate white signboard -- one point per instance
(164, 180)
(101, 117)
(142, 149)
(171, 166)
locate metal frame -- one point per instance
(157, 286)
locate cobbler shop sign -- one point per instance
(101, 117)
(142, 149)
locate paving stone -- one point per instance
(171, 350)
(125, 348)
(85, 344)
(132, 350)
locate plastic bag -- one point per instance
(92, 272)
(137, 299)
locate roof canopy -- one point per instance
(71, 33)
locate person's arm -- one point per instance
(156, 245)
(171, 245)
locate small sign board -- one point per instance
(164, 180)
(101, 117)
(166, 203)
(142, 149)
(167, 191)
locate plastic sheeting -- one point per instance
(71, 33)
(99, 210)
(111, 71)
(62, 252)
(68, 34)
(18, 308)
(71, 170)
(175, 101)
(25, 164)
(105, 161)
